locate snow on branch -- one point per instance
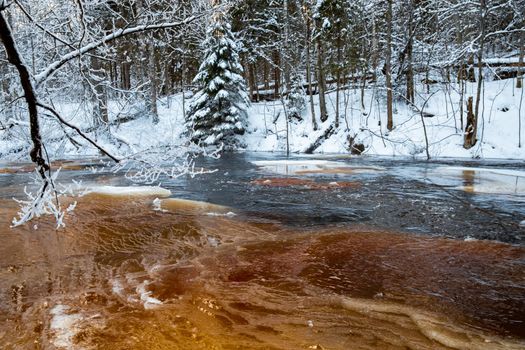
(77, 129)
(148, 166)
(4, 4)
(170, 161)
(45, 201)
(53, 67)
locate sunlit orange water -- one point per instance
(189, 275)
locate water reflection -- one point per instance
(487, 180)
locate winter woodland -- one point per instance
(146, 83)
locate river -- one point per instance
(269, 252)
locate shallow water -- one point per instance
(267, 267)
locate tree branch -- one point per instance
(52, 68)
(77, 129)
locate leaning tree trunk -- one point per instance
(319, 141)
(6, 92)
(13, 57)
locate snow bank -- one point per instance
(365, 124)
(497, 130)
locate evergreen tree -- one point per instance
(217, 113)
(296, 99)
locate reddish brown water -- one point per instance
(14, 168)
(124, 276)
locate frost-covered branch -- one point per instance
(170, 161)
(53, 67)
(43, 202)
(77, 129)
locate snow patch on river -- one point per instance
(312, 166)
(63, 325)
(291, 167)
(135, 191)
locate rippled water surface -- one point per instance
(338, 254)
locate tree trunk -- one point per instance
(248, 77)
(100, 98)
(470, 129)
(276, 75)
(410, 94)
(166, 77)
(319, 141)
(363, 86)
(286, 46)
(471, 74)
(153, 82)
(125, 76)
(519, 82)
(13, 56)
(461, 94)
(266, 74)
(374, 54)
(308, 39)
(482, 14)
(338, 82)
(388, 67)
(321, 81)
(253, 82)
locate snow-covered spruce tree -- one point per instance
(296, 99)
(217, 114)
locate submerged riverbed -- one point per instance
(273, 253)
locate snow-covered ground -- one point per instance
(498, 126)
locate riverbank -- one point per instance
(132, 131)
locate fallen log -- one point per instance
(322, 138)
